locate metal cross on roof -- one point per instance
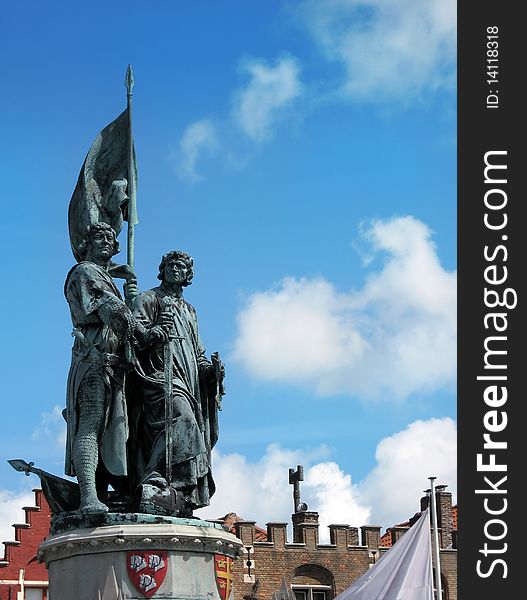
(295, 477)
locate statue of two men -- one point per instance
(142, 397)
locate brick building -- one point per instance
(315, 571)
(322, 571)
(22, 577)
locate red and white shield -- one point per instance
(147, 570)
(222, 565)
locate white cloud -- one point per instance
(388, 50)
(260, 491)
(394, 337)
(389, 494)
(11, 504)
(52, 427)
(199, 137)
(335, 497)
(270, 91)
(405, 460)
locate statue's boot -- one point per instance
(92, 506)
(155, 479)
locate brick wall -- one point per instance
(448, 560)
(303, 561)
(20, 553)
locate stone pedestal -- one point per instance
(183, 559)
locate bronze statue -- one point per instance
(103, 351)
(174, 395)
(153, 444)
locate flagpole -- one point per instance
(437, 566)
(132, 206)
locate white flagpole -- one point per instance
(437, 566)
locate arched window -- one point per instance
(313, 582)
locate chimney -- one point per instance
(305, 528)
(444, 514)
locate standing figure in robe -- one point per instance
(174, 393)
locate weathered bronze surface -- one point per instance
(174, 395)
(103, 352)
(142, 398)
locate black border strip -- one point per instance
(482, 129)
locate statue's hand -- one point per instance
(166, 321)
(210, 374)
(219, 372)
(130, 289)
(156, 335)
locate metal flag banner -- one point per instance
(147, 570)
(223, 565)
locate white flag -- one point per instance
(403, 573)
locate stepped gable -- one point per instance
(21, 553)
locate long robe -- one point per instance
(96, 352)
(194, 426)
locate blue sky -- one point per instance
(305, 154)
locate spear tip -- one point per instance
(129, 79)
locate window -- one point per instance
(312, 582)
(306, 592)
(34, 593)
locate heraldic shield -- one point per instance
(223, 566)
(147, 570)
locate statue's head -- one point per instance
(177, 256)
(93, 232)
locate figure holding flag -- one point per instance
(105, 330)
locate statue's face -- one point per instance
(176, 271)
(102, 244)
